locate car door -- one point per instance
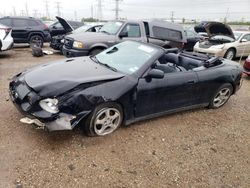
(176, 90)
(244, 47)
(131, 31)
(20, 30)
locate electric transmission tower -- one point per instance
(47, 9)
(58, 8)
(26, 9)
(99, 10)
(117, 9)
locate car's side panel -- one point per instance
(175, 90)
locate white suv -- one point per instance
(6, 40)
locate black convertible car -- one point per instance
(128, 82)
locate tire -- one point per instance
(221, 96)
(230, 54)
(36, 40)
(110, 117)
(96, 51)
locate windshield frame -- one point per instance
(239, 33)
(139, 71)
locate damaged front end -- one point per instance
(41, 112)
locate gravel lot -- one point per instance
(200, 148)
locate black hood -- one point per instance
(66, 26)
(56, 78)
(214, 28)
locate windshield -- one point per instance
(127, 57)
(81, 29)
(222, 38)
(237, 35)
(111, 27)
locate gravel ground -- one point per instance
(200, 148)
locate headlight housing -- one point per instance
(77, 44)
(221, 46)
(49, 105)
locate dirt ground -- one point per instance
(200, 148)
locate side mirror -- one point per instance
(155, 73)
(243, 40)
(123, 34)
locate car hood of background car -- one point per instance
(66, 26)
(214, 28)
(56, 78)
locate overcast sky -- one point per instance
(190, 9)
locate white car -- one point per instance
(222, 41)
(6, 40)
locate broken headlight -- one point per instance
(49, 105)
(77, 44)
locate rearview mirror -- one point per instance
(155, 73)
(243, 40)
(123, 34)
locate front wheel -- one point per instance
(230, 54)
(104, 120)
(221, 96)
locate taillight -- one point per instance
(7, 31)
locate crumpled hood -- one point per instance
(53, 79)
(214, 28)
(66, 26)
(91, 36)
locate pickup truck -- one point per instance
(161, 33)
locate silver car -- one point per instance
(222, 42)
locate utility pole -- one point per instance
(22, 12)
(227, 14)
(14, 11)
(99, 10)
(117, 10)
(172, 16)
(58, 8)
(75, 13)
(35, 13)
(26, 9)
(47, 9)
(92, 11)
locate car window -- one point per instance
(111, 27)
(127, 57)
(165, 33)
(20, 22)
(6, 21)
(190, 34)
(237, 35)
(58, 25)
(133, 30)
(32, 23)
(247, 37)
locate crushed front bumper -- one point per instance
(63, 122)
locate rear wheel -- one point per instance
(230, 54)
(36, 40)
(221, 96)
(104, 120)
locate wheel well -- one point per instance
(97, 48)
(33, 34)
(231, 48)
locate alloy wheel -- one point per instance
(221, 97)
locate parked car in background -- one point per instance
(27, 29)
(58, 40)
(192, 39)
(6, 40)
(161, 33)
(246, 66)
(58, 27)
(128, 82)
(223, 42)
